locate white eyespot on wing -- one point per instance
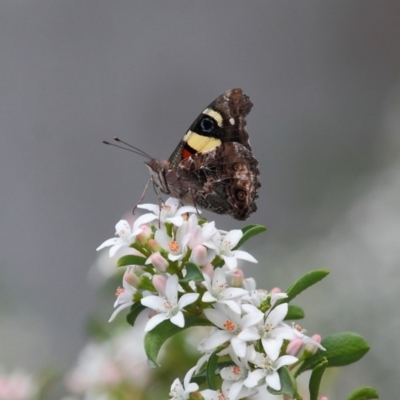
(232, 121)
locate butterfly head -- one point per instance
(158, 169)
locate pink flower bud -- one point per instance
(199, 255)
(154, 245)
(311, 347)
(323, 398)
(159, 282)
(159, 262)
(276, 290)
(208, 269)
(294, 347)
(144, 236)
(237, 278)
(132, 278)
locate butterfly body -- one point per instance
(213, 166)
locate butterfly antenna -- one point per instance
(132, 149)
(117, 139)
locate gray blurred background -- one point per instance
(324, 79)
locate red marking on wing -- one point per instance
(186, 153)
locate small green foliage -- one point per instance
(193, 273)
(210, 370)
(288, 384)
(162, 332)
(307, 280)
(135, 310)
(341, 349)
(315, 379)
(131, 260)
(294, 312)
(248, 232)
(364, 393)
(146, 283)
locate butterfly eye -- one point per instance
(207, 124)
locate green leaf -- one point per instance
(315, 379)
(210, 371)
(193, 273)
(341, 349)
(364, 393)
(135, 310)
(131, 260)
(294, 312)
(288, 384)
(158, 336)
(307, 280)
(248, 232)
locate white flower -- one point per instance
(125, 296)
(169, 308)
(126, 235)
(182, 392)
(267, 370)
(218, 291)
(229, 241)
(228, 392)
(230, 324)
(271, 331)
(169, 211)
(177, 246)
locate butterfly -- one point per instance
(213, 166)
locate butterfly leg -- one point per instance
(142, 196)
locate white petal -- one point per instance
(277, 315)
(233, 237)
(208, 298)
(285, 360)
(273, 380)
(244, 255)
(113, 250)
(187, 209)
(188, 377)
(187, 298)
(230, 262)
(144, 219)
(162, 239)
(216, 317)
(272, 347)
(239, 347)
(215, 340)
(120, 308)
(249, 334)
(122, 228)
(253, 378)
(233, 305)
(176, 257)
(171, 289)
(154, 321)
(177, 220)
(233, 293)
(154, 302)
(151, 207)
(108, 242)
(178, 319)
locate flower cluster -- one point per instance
(17, 385)
(184, 271)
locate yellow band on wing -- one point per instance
(201, 143)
